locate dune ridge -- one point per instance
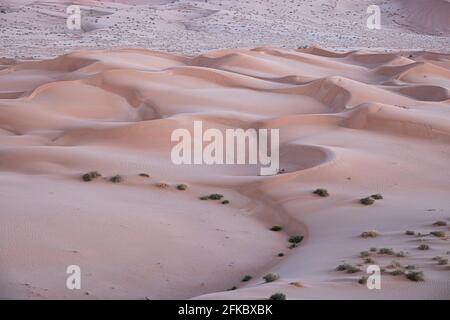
(356, 123)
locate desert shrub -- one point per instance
(423, 247)
(295, 239)
(276, 228)
(225, 202)
(246, 278)
(321, 192)
(369, 261)
(441, 260)
(401, 254)
(373, 249)
(232, 288)
(145, 175)
(281, 254)
(215, 196)
(278, 296)
(367, 201)
(182, 187)
(162, 185)
(397, 272)
(116, 179)
(369, 234)
(362, 280)
(293, 246)
(440, 224)
(387, 251)
(410, 267)
(415, 276)
(271, 277)
(409, 233)
(90, 176)
(204, 198)
(364, 254)
(438, 234)
(377, 196)
(347, 268)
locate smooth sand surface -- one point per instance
(355, 123)
(37, 29)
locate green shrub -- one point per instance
(440, 224)
(278, 296)
(321, 192)
(423, 247)
(415, 276)
(369, 234)
(276, 228)
(90, 176)
(246, 278)
(377, 196)
(367, 201)
(215, 196)
(295, 239)
(182, 187)
(271, 277)
(116, 179)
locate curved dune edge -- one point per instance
(355, 123)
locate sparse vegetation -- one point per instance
(409, 233)
(116, 179)
(162, 185)
(204, 198)
(410, 267)
(369, 261)
(295, 239)
(441, 260)
(397, 272)
(278, 296)
(423, 247)
(438, 234)
(362, 280)
(281, 254)
(215, 196)
(347, 268)
(321, 192)
(276, 228)
(246, 278)
(225, 202)
(386, 251)
(377, 196)
(145, 175)
(369, 234)
(90, 176)
(364, 254)
(415, 276)
(182, 187)
(373, 249)
(271, 277)
(440, 223)
(367, 201)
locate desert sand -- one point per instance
(356, 123)
(37, 29)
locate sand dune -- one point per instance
(356, 123)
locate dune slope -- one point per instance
(356, 123)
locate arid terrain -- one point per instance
(87, 179)
(37, 29)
